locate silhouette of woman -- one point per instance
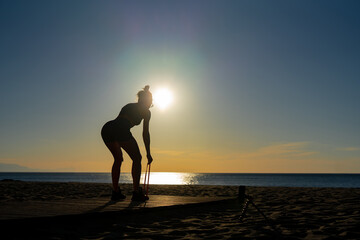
(116, 135)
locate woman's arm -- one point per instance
(146, 136)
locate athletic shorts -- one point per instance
(117, 130)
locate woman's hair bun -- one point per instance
(145, 93)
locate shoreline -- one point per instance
(211, 179)
(19, 190)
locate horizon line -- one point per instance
(185, 172)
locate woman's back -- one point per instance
(132, 113)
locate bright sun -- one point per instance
(163, 97)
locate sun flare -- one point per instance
(163, 98)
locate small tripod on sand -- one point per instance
(248, 199)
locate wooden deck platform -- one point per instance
(22, 210)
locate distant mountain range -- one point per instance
(11, 167)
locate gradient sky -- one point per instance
(259, 86)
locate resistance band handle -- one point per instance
(147, 179)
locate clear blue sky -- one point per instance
(259, 86)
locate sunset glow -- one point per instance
(163, 98)
(237, 86)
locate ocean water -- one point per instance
(227, 179)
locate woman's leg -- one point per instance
(115, 150)
(132, 148)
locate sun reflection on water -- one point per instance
(171, 178)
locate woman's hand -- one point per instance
(150, 159)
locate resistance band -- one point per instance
(147, 179)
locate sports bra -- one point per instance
(131, 112)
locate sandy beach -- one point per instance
(293, 213)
